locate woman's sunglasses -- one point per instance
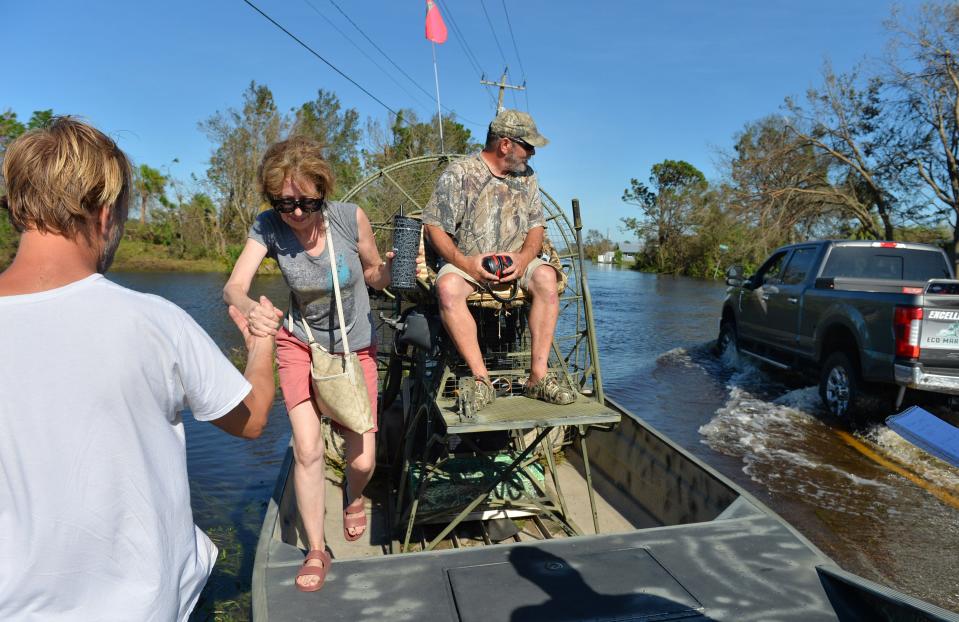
(286, 205)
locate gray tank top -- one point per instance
(310, 279)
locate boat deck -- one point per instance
(705, 552)
(728, 569)
(376, 542)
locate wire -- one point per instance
(498, 47)
(466, 49)
(461, 39)
(316, 54)
(368, 57)
(493, 30)
(516, 49)
(387, 57)
(513, 37)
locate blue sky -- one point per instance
(616, 86)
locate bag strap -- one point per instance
(336, 294)
(336, 289)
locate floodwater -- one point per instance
(891, 516)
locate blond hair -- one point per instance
(59, 177)
(294, 157)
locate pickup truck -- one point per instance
(860, 315)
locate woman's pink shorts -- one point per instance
(293, 361)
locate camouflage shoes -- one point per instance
(548, 389)
(485, 394)
(472, 395)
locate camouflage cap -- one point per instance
(518, 125)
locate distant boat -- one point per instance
(606, 257)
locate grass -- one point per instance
(226, 596)
(138, 256)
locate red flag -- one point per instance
(435, 28)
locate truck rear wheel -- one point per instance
(839, 386)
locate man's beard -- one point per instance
(514, 164)
(109, 249)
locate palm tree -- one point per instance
(149, 183)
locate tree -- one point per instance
(406, 189)
(666, 213)
(596, 244)
(198, 226)
(40, 118)
(240, 138)
(149, 184)
(776, 184)
(11, 128)
(409, 138)
(924, 69)
(845, 121)
(337, 130)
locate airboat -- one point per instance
(532, 511)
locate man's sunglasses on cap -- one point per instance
(286, 205)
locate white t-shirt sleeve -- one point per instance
(211, 385)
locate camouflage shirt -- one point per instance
(482, 212)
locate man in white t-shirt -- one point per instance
(95, 518)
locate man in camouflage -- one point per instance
(488, 204)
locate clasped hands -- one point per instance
(263, 319)
(476, 270)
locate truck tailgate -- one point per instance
(939, 342)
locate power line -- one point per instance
(363, 52)
(493, 30)
(387, 57)
(465, 47)
(498, 46)
(513, 37)
(516, 49)
(461, 39)
(316, 54)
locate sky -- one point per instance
(616, 86)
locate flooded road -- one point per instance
(891, 516)
(770, 435)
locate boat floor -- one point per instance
(750, 567)
(745, 562)
(376, 542)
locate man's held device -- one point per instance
(497, 264)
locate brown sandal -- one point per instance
(354, 520)
(314, 571)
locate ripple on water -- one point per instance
(787, 448)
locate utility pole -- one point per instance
(502, 88)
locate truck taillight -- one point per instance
(906, 324)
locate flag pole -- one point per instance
(439, 110)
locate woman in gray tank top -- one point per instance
(296, 180)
